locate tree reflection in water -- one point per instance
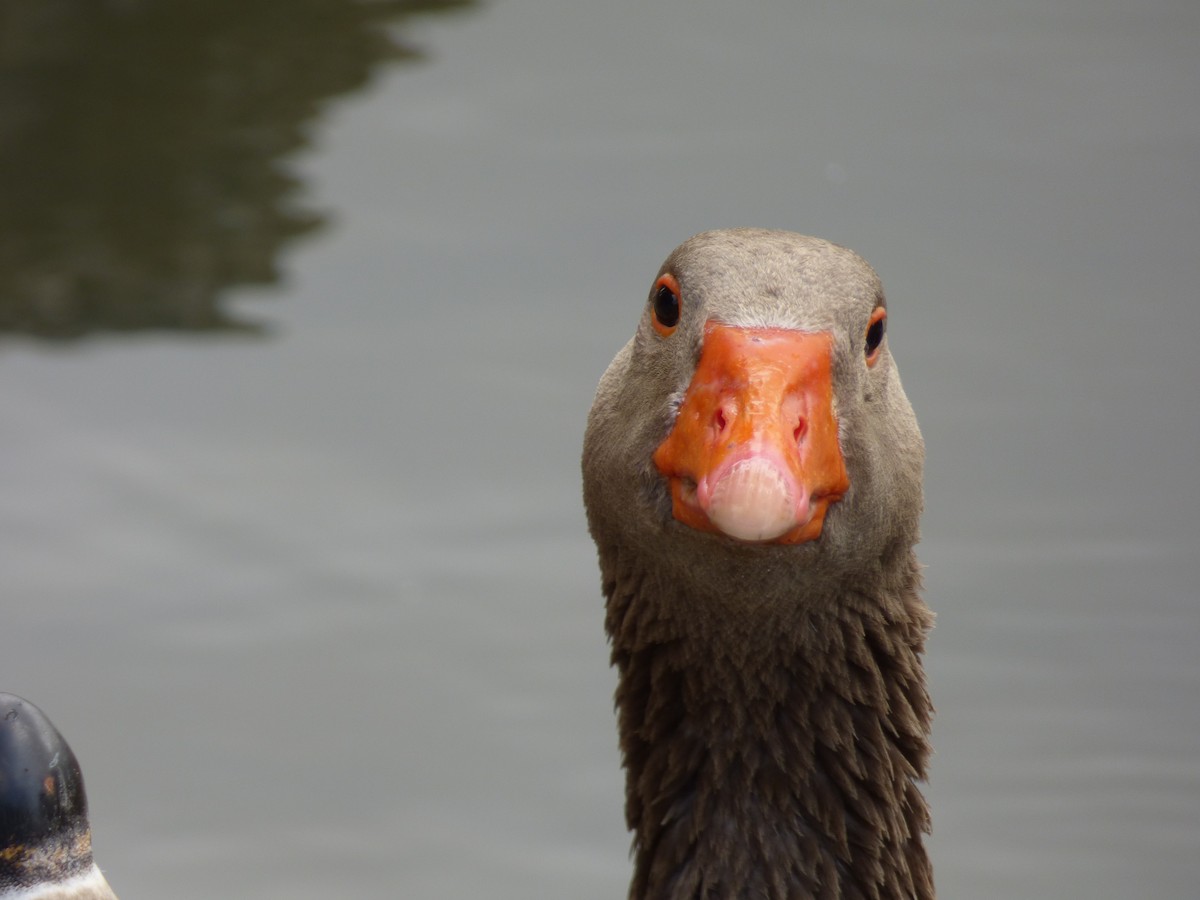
(144, 148)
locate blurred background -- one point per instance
(302, 303)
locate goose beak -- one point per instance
(754, 452)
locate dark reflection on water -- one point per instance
(143, 150)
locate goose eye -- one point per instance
(666, 305)
(875, 330)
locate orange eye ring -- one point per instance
(666, 304)
(876, 327)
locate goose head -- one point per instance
(756, 423)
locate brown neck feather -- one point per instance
(773, 752)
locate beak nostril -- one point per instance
(719, 420)
(801, 428)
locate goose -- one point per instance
(45, 837)
(753, 483)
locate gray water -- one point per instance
(301, 334)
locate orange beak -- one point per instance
(754, 450)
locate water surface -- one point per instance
(293, 545)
